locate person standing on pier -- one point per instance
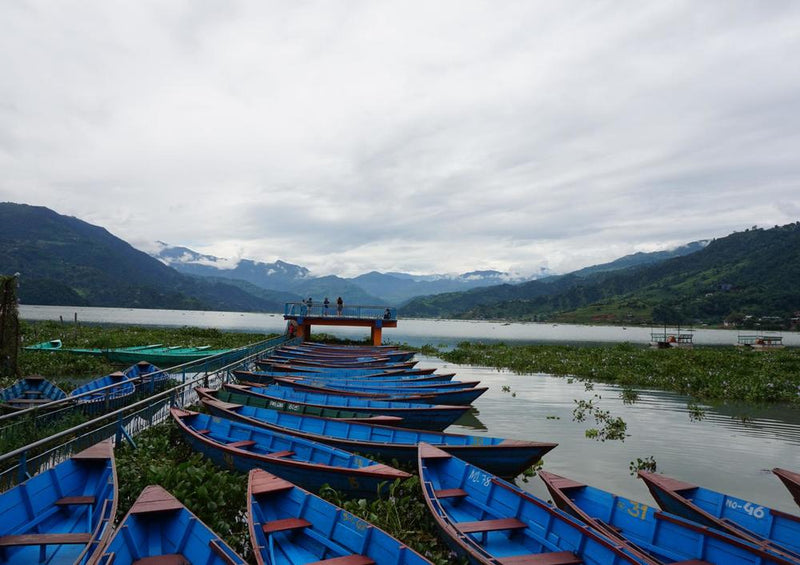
(339, 306)
(325, 303)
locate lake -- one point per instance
(416, 332)
(731, 449)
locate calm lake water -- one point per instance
(721, 451)
(413, 332)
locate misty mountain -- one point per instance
(64, 260)
(748, 274)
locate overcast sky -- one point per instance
(424, 137)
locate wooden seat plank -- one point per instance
(68, 500)
(286, 453)
(242, 443)
(284, 525)
(170, 559)
(491, 525)
(45, 539)
(450, 493)
(346, 560)
(550, 558)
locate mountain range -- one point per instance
(744, 276)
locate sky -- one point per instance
(422, 137)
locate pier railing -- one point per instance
(354, 312)
(19, 464)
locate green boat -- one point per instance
(157, 354)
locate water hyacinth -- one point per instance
(706, 373)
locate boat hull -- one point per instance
(491, 521)
(159, 526)
(291, 525)
(418, 416)
(502, 457)
(63, 515)
(284, 455)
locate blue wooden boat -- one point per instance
(224, 395)
(289, 525)
(427, 395)
(28, 392)
(305, 353)
(413, 414)
(338, 371)
(659, 537)
(772, 529)
(378, 364)
(159, 529)
(504, 457)
(62, 515)
(493, 522)
(791, 480)
(268, 376)
(379, 384)
(234, 445)
(106, 393)
(147, 376)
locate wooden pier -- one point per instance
(301, 317)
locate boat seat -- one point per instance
(692, 562)
(284, 524)
(286, 453)
(45, 539)
(203, 432)
(450, 493)
(551, 558)
(346, 560)
(243, 443)
(491, 525)
(30, 401)
(170, 559)
(68, 500)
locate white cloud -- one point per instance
(413, 136)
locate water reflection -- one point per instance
(720, 451)
(470, 420)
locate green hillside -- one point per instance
(745, 276)
(63, 260)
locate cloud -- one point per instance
(425, 137)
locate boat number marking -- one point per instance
(478, 477)
(353, 482)
(358, 523)
(636, 509)
(749, 508)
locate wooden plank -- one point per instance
(450, 493)
(550, 558)
(284, 525)
(171, 559)
(346, 560)
(155, 499)
(68, 500)
(242, 443)
(286, 453)
(262, 482)
(45, 539)
(491, 525)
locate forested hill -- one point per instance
(63, 260)
(747, 275)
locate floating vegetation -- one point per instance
(628, 395)
(696, 412)
(705, 373)
(646, 464)
(609, 428)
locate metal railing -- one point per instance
(356, 312)
(126, 422)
